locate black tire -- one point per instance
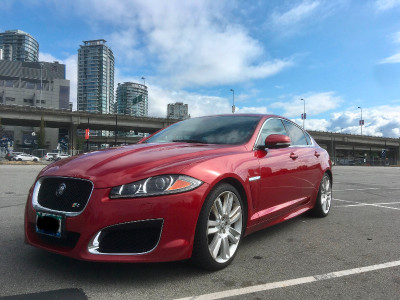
(35, 160)
(323, 203)
(220, 228)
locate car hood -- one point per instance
(117, 166)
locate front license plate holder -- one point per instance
(50, 224)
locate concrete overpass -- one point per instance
(357, 145)
(16, 115)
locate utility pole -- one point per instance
(304, 116)
(233, 101)
(361, 120)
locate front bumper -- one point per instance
(177, 213)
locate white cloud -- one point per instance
(123, 43)
(199, 105)
(394, 59)
(296, 14)
(395, 38)
(298, 17)
(379, 121)
(383, 5)
(316, 103)
(190, 43)
(71, 65)
(47, 57)
(314, 124)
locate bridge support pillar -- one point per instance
(398, 154)
(332, 149)
(72, 134)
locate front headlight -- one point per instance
(154, 186)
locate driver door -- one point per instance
(281, 173)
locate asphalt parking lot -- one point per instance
(353, 253)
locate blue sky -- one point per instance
(337, 55)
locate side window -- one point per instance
(271, 126)
(295, 133)
(308, 138)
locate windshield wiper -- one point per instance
(189, 141)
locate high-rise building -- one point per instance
(178, 110)
(17, 45)
(37, 84)
(132, 99)
(95, 77)
(33, 84)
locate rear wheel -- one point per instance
(219, 229)
(324, 198)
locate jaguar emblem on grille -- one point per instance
(61, 189)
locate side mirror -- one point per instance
(275, 141)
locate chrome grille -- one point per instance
(63, 194)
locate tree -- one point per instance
(80, 143)
(41, 134)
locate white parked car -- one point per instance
(15, 154)
(61, 156)
(50, 156)
(26, 157)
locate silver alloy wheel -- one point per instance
(326, 194)
(224, 226)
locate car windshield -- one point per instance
(231, 130)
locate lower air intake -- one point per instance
(128, 238)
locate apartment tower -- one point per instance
(95, 77)
(132, 99)
(16, 45)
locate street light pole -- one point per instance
(144, 80)
(361, 120)
(304, 112)
(233, 101)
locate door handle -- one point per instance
(293, 155)
(317, 154)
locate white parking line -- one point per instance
(292, 282)
(359, 204)
(344, 200)
(365, 189)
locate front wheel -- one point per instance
(219, 229)
(324, 198)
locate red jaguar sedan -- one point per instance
(192, 190)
